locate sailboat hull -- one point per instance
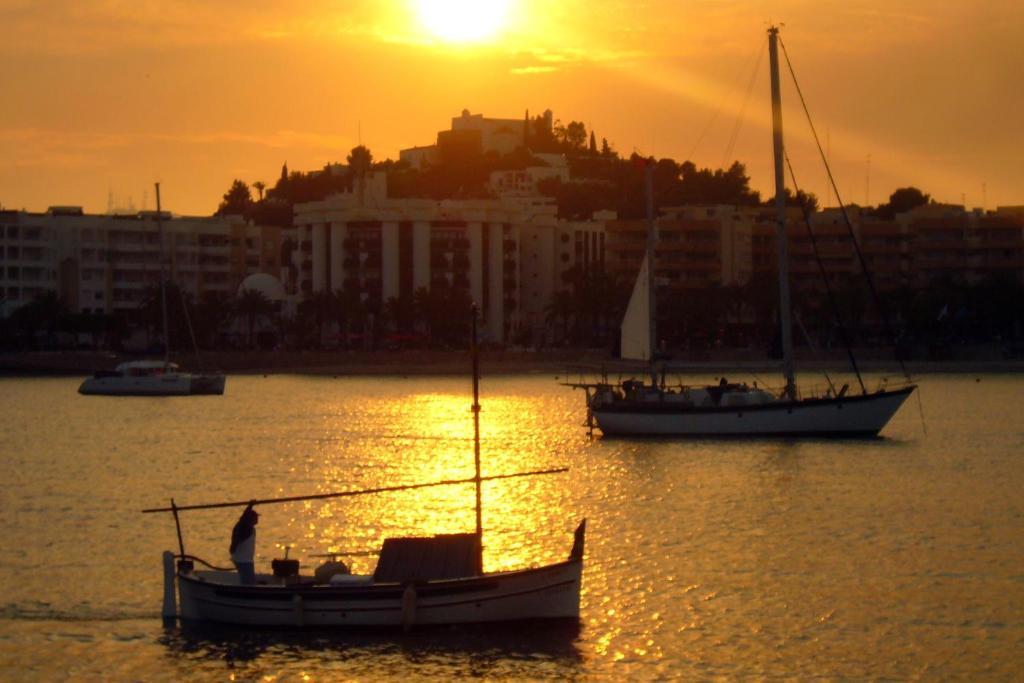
(847, 416)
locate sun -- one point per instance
(462, 21)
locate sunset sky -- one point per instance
(104, 97)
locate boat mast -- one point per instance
(475, 353)
(780, 216)
(163, 288)
(652, 236)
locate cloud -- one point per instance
(37, 147)
(527, 70)
(82, 26)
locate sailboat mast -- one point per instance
(785, 315)
(163, 287)
(475, 353)
(652, 237)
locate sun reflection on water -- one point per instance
(706, 560)
(429, 437)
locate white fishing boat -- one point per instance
(154, 377)
(651, 408)
(432, 580)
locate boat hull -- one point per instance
(848, 416)
(207, 384)
(551, 592)
(168, 384)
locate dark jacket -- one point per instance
(244, 527)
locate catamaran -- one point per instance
(638, 407)
(433, 580)
(154, 377)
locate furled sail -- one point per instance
(636, 324)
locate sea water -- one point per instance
(893, 558)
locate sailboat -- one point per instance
(649, 408)
(432, 580)
(154, 377)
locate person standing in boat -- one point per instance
(243, 545)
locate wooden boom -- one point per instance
(342, 494)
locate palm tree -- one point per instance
(318, 309)
(348, 311)
(259, 185)
(421, 309)
(47, 311)
(399, 311)
(561, 307)
(252, 305)
(211, 314)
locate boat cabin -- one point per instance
(145, 368)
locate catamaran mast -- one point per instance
(780, 216)
(163, 287)
(652, 236)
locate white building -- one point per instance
(485, 134)
(523, 183)
(104, 263)
(502, 252)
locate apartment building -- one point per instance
(104, 263)
(697, 246)
(910, 250)
(500, 252)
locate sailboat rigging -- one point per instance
(634, 407)
(152, 377)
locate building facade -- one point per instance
(499, 252)
(100, 263)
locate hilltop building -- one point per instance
(473, 132)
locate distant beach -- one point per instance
(555, 362)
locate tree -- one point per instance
(542, 138)
(319, 309)
(260, 186)
(902, 200)
(561, 308)
(150, 313)
(47, 312)
(360, 160)
(400, 311)
(593, 143)
(805, 200)
(251, 305)
(348, 311)
(211, 314)
(237, 200)
(572, 136)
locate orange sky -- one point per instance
(106, 96)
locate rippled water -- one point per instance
(901, 557)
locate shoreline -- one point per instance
(556, 362)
